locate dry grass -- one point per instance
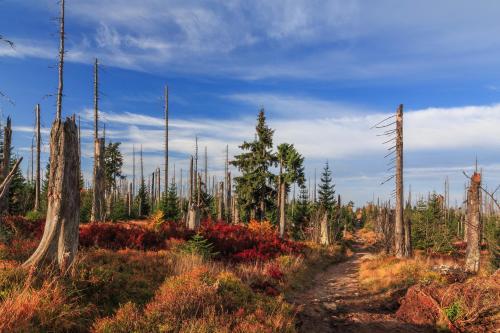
(473, 303)
(385, 273)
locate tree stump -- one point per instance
(59, 242)
(193, 217)
(324, 230)
(472, 253)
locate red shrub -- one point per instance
(241, 243)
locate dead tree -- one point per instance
(324, 229)
(281, 200)
(98, 200)
(61, 64)
(399, 237)
(402, 229)
(220, 205)
(59, 242)
(193, 218)
(166, 142)
(4, 186)
(38, 149)
(474, 224)
(5, 163)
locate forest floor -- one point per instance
(337, 303)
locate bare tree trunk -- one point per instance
(98, 201)
(166, 142)
(59, 242)
(7, 143)
(282, 208)
(38, 149)
(236, 211)
(61, 64)
(472, 253)
(324, 230)
(220, 196)
(399, 227)
(4, 186)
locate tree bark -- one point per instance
(166, 143)
(98, 200)
(38, 150)
(399, 237)
(282, 208)
(472, 253)
(324, 230)
(59, 242)
(61, 64)
(220, 206)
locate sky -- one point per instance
(325, 72)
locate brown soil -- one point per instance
(336, 303)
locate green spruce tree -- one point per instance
(170, 204)
(326, 189)
(255, 193)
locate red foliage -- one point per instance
(231, 242)
(274, 271)
(239, 243)
(117, 236)
(22, 227)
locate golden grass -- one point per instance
(385, 273)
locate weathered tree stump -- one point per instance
(472, 253)
(193, 222)
(324, 230)
(59, 242)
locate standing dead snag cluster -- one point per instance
(474, 224)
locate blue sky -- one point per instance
(325, 71)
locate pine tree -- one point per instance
(326, 189)
(113, 163)
(170, 204)
(302, 212)
(255, 194)
(291, 166)
(142, 199)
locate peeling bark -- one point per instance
(59, 242)
(324, 230)
(472, 253)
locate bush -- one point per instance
(200, 246)
(34, 215)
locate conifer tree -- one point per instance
(170, 204)
(142, 199)
(253, 186)
(326, 189)
(302, 211)
(291, 165)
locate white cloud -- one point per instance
(306, 39)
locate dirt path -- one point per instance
(336, 303)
